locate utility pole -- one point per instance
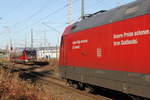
(82, 9)
(25, 41)
(31, 38)
(44, 38)
(70, 12)
(8, 30)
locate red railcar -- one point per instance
(23, 56)
(110, 49)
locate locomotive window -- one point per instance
(31, 53)
(74, 27)
(62, 42)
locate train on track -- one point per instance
(23, 56)
(109, 49)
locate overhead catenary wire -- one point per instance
(50, 14)
(83, 10)
(25, 20)
(17, 6)
(43, 7)
(100, 2)
(13, 9)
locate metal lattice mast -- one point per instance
(82, 9)
(70, 12)
(31, 38)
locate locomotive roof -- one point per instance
(136, 8)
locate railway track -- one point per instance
(49, 80)
(62, 84)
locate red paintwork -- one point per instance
(21, 57)
(24, 57)
(130, 58)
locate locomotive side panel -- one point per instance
(111, 54)
(117, 53)
(121, 46)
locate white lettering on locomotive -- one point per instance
(76, 47)
(122, 38)
(128, 42)
(77, 43)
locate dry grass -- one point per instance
(13, 88)
(53, 64)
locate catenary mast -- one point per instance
(82, 9)
(70, 12)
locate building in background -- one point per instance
(44, 53)
(4, 55)
(47, 53)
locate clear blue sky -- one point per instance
(19, 16)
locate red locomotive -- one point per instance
(110, 49)
(23, 56)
